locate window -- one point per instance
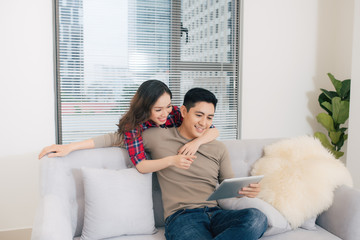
(106, 49)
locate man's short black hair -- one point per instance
(196, 95)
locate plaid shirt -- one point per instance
(134, 141)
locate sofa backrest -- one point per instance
(62, 176)
(244, 153)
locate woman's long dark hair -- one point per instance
(140, 106)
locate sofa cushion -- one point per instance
(298, 234)
(301, 234)
(276, 222)
(159, 235)
(300, 177)
(117, 202)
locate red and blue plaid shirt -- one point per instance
(134, 141)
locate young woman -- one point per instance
(150, 107)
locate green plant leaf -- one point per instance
(327, 106)
(340, 110)
(340, 143)
(329, 94)
(326, 120)
(337, 154)
(337, 84)
(343, 129)
(324, 140)
(335, 137)
(345, 90)
(324, 99)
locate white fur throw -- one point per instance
(300, 178)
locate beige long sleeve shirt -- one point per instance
(187, 189)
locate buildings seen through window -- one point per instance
(107, 48)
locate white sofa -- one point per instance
(61, 211)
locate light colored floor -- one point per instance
(21, 234)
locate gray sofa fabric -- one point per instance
(61, 211)
(343, 217)
(298, 234)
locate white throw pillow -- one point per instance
(276, 222)
(300, 178)
(117, 203)
(309, 224)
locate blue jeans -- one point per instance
(215, 223)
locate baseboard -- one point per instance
(16, 234)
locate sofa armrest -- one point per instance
(52, 221)
(343, 217)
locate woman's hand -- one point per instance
(251, 191)
(190, 148)
(56, 150)
(182, 161)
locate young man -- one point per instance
(184, 191)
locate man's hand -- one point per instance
(251, 191)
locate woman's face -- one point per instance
(161, 109)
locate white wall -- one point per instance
(353, 156)
(27, 105)
(288, 48)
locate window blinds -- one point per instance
(106, 49)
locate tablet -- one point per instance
(230, 187)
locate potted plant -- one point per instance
(336, 104)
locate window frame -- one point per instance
(174, 67)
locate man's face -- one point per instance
(197, 120)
